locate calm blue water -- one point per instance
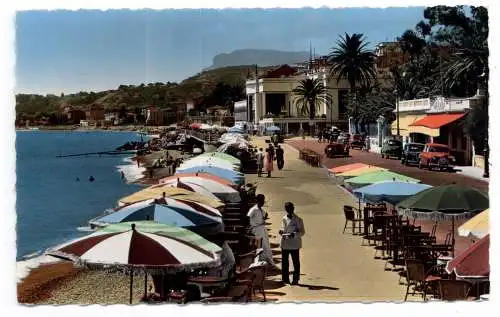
(51, 204)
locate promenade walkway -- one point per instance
(335, 267)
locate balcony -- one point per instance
(437, 105)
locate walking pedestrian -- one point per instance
(257, 219)
(280, 161)
(260, 161)
(268, 162)
(292, 230)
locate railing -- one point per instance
(437, 105)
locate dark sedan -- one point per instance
(411, 153)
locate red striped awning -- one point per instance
(436, 121)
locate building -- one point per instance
(95, 113)
(112, 118)
(437, 120)
(240, 111)
(389, 54)
(271, 101)
(74, 116)
(154, 116)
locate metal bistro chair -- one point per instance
(350, 215)
(415, 277)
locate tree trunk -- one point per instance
(356, 110)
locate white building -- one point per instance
(272, 102)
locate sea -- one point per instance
(55, 198)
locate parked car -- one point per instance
(391, 148)
(356, 141)
(336, 149)
(411, 153)
(436, 155)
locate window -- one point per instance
(342, 102)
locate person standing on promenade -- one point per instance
(292, 230)
(257, 218)
(268, 162)
(280, 161)
(260, 161)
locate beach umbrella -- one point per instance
(195, 125)
(474, 262)
(205, 126)
(236, 129)
(204, 161)
(237, 145)
(345, 168)
(378, 176)
(135, 250)
(273, 128)
(392, 192)
(478, 226)
(222, 156)
(233, 176)
(193, 216)
(223, 192)
(448, 202)
(361, 171)
(213, 177)
(159, 228)
(180, 194)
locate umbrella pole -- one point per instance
(453, 237)
(145, 284)
(131, 283)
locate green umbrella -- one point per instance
(162, 229)
(449, 202)
(223, 156)
(378, 176)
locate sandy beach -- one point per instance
(335, 267)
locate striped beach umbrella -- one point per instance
(158, 228)
(360, 171)
(165, 211)
(181, 194)
(204, 161)
(478, 226)
(134, 250)
(223, 192)
(345, 168)
(223, 156)
(213, 177)
(233, 176)
(378, 176)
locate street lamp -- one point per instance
(397, 111)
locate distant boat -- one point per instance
(34, 128)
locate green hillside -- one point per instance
(130, 97)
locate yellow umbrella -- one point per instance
(360, 171)
(172, 192)
(478, 226)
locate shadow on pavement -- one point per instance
(318, 287)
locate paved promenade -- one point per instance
(335, 267)
(434, 178)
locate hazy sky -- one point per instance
(70, 51)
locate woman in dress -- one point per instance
(268, 162)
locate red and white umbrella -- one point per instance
(474, 262)
(135, 250)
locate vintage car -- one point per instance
(336, 149)
(391, 148)
(411, 153)
(436, 155)
(356, 141)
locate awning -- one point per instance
(431, 124)
(405, 120)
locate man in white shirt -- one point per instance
(257, 218)
(292, 230)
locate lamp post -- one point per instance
(397, 112)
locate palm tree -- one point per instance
(352, 60)
(310, 94)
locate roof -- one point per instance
(282, 71)
(436, 121)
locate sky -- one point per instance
(87, 50)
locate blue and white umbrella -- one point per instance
(233, 176)
(392, 192)
(166, 211)
(273, 128)
(236, 130)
